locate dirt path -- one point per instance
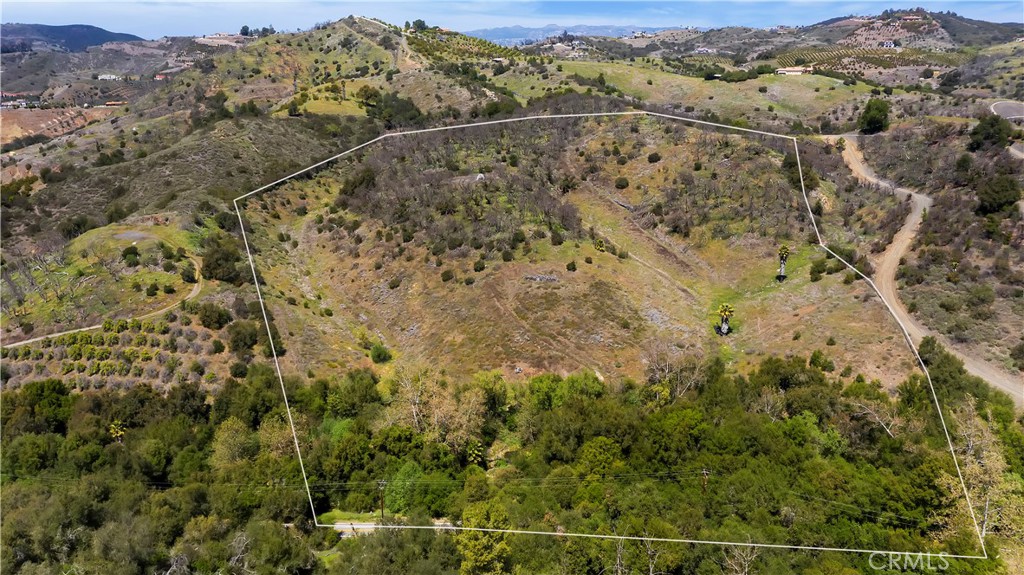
(198, 287)
(888, 264)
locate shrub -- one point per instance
(621, 183)
(447, 275)
(556, 238)
(394, 283)
(654, 157)
(379, 353)
(479, 265)
(152, 289)
(875, 117)
(188, 273)
(239, 369)
(506, 255)
(212, 316)
(217, 346)
(571, 266)
(242, 336)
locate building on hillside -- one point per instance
(109, 77)
(887, 44)
(160, 77)
(794, 71)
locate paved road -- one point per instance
(887, 266)
(196, 288)
(1008, 109)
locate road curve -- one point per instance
(888, 264)
(196, 288)
(1008, 109)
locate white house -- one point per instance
(794, 71)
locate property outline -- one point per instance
(821, 244)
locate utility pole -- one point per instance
(380, 489)
(705, 472)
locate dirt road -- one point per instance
(888, 264)
(196, 288)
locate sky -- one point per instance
(153, 19)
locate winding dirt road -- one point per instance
(888, 264)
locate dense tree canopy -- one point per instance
(784, 454)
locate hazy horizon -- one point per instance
(155, 19)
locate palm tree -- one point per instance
(725, 311)
(783, 256)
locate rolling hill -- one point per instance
(70, 38)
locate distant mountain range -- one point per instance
(512, 35)
(72, 38)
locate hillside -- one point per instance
(71, 38)
(528, 282)
(489, 321)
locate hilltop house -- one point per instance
(794, 71)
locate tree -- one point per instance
(242, 335)
(212, 316)
(992, 131)
(220, 259)
(368, 94)
(484, 552)
(997, 193)
(244, 31)
(233, 442)
(188, 273)
(875, 117)
(419, 25)
(725, 311)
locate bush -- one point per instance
(239, 369)
(654, 157)
(212, 316)
(991, 131)
(571, 266)
(997, 193)
(242, 336)
(152, 289)
(621, 183)
(217, 346)
(875, 117)
(394, 283)
(556, 238)
(379, 353)
(479, 265)
(188, 273)
(447, 275)
(506, 255)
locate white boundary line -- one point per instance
(821, 244)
